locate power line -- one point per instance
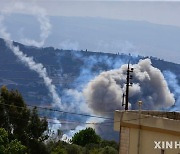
(73, 101)
(80, 122)
(94, 123)
(60, 111)
(77, 114)
(62, 121)
(74, 113)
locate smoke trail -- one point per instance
(104, 93)
(41, 16)
(28, 61)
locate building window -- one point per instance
(162, 151)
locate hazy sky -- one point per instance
(161, 12)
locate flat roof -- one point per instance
(163, 114)
(159, 120)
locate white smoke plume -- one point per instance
(174, 85)
(104, 93)
(28, 61)
(36, 11)
(78, 103)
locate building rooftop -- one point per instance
(169, 121)
(169, 115)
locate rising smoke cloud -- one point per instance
(104, 92)
(172, 81)
(28, 61)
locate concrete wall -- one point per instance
(145, 130)
(147, 144)
(124, 140)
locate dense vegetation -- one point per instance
(23, 131)
(21, 123)
(84, 142)
(7, 146)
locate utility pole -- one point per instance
(139, 132)
(128, 83)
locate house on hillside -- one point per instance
(148, 132)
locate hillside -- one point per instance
(63, 66)
(68, 69)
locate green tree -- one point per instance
(13, 147)
(113, 144)
(57, 147)
(36, 127)
(21, 123)
(73, 149)
(36, 133)
(3, 140)
(108, 150)
(85, 137)
(94, 151)
(14, 113)
(59, 150)
(61, 147)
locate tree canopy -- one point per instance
(6, 146)
(85, 137)
(20, 122)
(22, 131)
